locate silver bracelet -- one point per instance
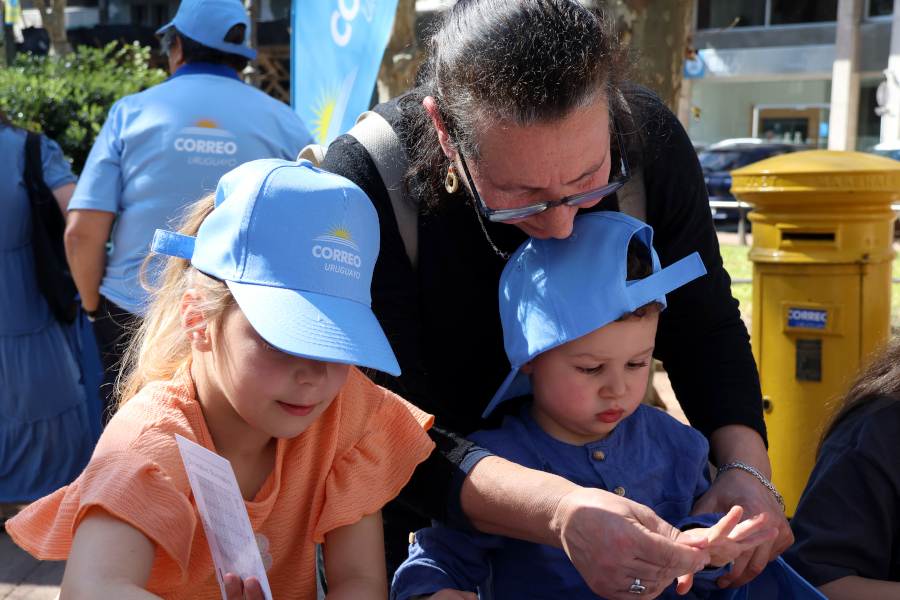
(758, 475)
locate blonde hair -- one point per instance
(160, 346)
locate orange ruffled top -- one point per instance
(350, 461)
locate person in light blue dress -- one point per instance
(45, 434)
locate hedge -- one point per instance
(68, 97)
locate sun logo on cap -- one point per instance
(339, 234)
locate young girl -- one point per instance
(579, 326)
(847, 523)
(247, 351)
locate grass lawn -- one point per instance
(740, 267)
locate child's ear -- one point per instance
(193, 323)
(527, 368)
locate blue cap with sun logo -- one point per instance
(296, 247)
(208, 22)
(554, 291)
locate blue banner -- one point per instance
(336, 49)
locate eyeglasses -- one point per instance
(507, 214)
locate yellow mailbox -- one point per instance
(822, 233)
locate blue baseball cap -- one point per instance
(296, 246)
(555, 291)
(208, 21)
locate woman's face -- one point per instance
(524, 165)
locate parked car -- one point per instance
(887, 149)
(720, 159)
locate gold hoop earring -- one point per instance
(451, 181)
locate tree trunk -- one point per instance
(402, 56)
(53, 18)
(659, 31)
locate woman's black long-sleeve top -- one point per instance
(443, 323)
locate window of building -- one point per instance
(715, 14)
(27, 4)
(150, 15)
(868, 128)
(881, 8)
(792, 12)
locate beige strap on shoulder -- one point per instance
(383, 145)
(633, 196)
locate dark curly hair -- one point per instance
(194, 51)
(639, 266)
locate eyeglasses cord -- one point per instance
(500, 253)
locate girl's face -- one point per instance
(274, 392)
(584, 388)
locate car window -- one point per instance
(713, 161)
(895, 154)
(750, 157)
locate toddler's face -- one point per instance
(274, 392)
(584, 388)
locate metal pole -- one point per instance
(742, 225)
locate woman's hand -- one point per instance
(729, 538)
(613, 541)
(737, 487)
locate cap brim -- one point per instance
(516, 384)
(316, 326)
(162, 29)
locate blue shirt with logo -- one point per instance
(649, 457)
(166, 147)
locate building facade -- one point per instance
(798, 70)
(149, 13)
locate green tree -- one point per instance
(68, 97)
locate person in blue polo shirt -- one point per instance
(159, 151)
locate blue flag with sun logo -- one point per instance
(336, 49)
(13, 12)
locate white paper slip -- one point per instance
(224, 516)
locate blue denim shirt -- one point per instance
(651, 457)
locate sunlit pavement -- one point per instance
(23, 577)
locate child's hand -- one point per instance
(729, 538)
(235, 589)
(445, 594)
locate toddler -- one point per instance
(248, 351)
(579, 322)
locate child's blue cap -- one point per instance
(296, 247)
(208, 21)
(555, 291)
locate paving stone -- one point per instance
(23, 577)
